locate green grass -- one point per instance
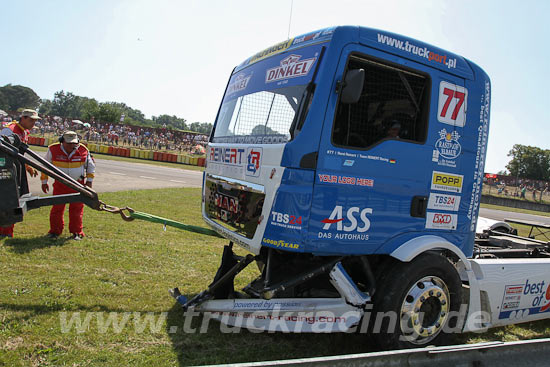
(128, 267)
(132, 160)
(515, 210)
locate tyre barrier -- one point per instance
(33, 140)
(129, 152)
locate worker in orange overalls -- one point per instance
(21, 129)
(74, 159)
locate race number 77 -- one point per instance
(452, 104)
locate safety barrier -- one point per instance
(514, 354)
(129, 152)
(515, 203)
(33, 140)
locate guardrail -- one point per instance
(515, 203)
(129, 152)
(520, 353)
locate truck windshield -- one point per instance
(263, 98)
(266, 114)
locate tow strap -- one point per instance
(132, 214)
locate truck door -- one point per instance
(376, 157)
(447, 203)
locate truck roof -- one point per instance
(389, 42)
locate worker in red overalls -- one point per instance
(74, 159)
(21, 129)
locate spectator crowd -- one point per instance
(121, 134)
(517, 187)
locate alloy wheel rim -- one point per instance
(425, 310)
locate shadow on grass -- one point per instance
(23, 246)
(197, 344)
(39, 309)
(202, 340)
(28, 311)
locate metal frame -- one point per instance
(16, 149)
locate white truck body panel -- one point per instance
(517, 290)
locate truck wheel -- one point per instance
(414, 301)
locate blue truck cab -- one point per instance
(349, 141)
(349, 163)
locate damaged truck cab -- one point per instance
(348, 141)
(349, 163)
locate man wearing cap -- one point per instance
(21, 129)
(74, 159)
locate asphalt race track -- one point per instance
(501, 215)
(118, 176)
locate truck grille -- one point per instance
(234, 204)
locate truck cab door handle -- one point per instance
(418, 206)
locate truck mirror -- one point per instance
(353, 86)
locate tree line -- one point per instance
(526, 161)
(68, 105)
(529, 162)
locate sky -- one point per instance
(175, 57)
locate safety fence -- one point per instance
(129, 152)
(529, 353)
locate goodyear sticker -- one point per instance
(281, 244)
(449, 182)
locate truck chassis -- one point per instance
(403, 300)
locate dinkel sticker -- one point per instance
(290, 67)
(239, 83)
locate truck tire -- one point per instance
(421, 297)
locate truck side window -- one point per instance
(393, 105)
